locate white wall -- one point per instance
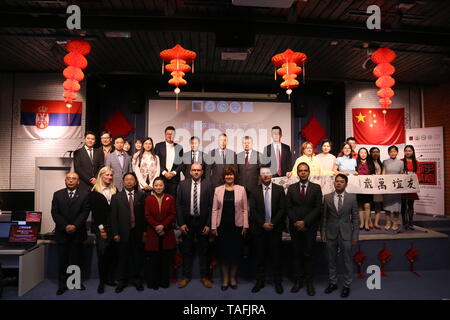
(17, 164)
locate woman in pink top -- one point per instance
(229, 223)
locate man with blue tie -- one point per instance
(268, 214)
(119, 161)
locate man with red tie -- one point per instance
(277, 154)
(248, 162)
(304, 205)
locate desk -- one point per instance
(30, 264)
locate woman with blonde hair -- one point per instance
(100, 200)
(308, 157)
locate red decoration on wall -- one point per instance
(314, 132)
(288, 63)
(75, 62)
(178, 59)
(359, 258)
(118, 125)
(384, 71)
(411, 255)
(384, 256)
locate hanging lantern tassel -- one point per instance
(275, 73)
(177, 91)
(192, 66)
(162, 70)
(304, 73)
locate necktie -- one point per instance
(90, 154)
(267, 205)
(278, 160)
(131, 203)
(246, 159)
(302, 192)
(193, 157)
(70, 194)
(340, 204)
(195, 200)
(223, 156)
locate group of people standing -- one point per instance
(138, 201)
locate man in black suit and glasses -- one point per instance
(70, 210)
(304, 207)
(267, 214)
(129, 225)
(194, 201)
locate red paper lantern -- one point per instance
(288, 63)
(383, 69)
(385, 93)
(383, 55)
(70, 96)
(71, 85)
(73, 73)
(385, 102)
(79, 46)
(385, 82)
(75, 60)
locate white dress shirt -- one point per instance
(336, 199)
(73, 194)
(107, 193)
(198, 196)
(306, 186)
(170, 157)
(90, 153)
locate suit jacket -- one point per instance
(156, 217)
(345, 222)
(187, 162)
(217, 165)
(101, 211)
(86, 168)
(112, 161)
(257, 209)
(67, 211)
(161, 152)
(249, 176)
(240, 206)
(307, 210)
(120, 215)
(184, 202)
(271, 159)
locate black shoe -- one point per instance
(345, 292)
(111, 283)
(233, 286)
(258, 286)
(139, 287)
(120, 287)
(224, 288)
(61, 290)
(298, 284)
(310, 289)
(82, 287)
(278, 288)
(101, 288)
(331, 287)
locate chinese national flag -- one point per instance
(371, 126)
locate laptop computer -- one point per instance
(20, 237)
(32, 218)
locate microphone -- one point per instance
(72, 151)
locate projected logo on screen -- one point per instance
(197, 106)
(235, 107)
(222, 106)
(210, 106)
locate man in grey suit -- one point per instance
(248, 162)
(119, 161)
(340, 224)
(218, 159)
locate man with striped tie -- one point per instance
(194, 201)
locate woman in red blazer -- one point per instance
(161, 243)
(229, 223)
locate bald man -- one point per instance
(70, 210)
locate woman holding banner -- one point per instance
(377, 198)
(410, 165)
(364, 166)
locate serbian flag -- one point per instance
(49, 119)
(373, 127)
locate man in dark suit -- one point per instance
(194, 156)
(248, 163)
(340, 229)
(70, 210)
(304, 205)
(278, 155)
(219, 158)
(194, 202)
(170, 160)
(267, 214)
(87, 162)
(119, 161)
(129, 225)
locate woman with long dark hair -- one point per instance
(364, 166)
(377, 198)
(146, 165)
(410, 165)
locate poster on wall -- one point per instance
(429, 146)
(49, 119)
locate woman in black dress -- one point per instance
(100, 200)
(229, 223)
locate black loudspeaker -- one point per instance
(299, 105)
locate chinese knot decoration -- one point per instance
(359, 258)
(384, 71)
(288, 63)
(178, 59)
(411, 255)
(384, 256)
(75, 62)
